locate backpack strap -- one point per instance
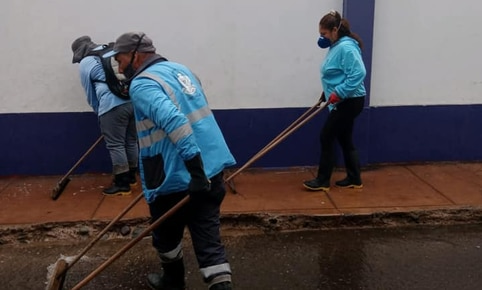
(116, 86)
(98, 53)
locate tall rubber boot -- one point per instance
(325, 168)
(353, 172)
(222, 286)
(120, 186)
(132, 176)
(171, 279)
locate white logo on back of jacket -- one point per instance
(185, 81)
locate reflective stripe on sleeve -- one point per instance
(144, 125)
(199, 114)
(154, 137)
(158, 135)
(181, 132)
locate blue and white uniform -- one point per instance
(174, 124)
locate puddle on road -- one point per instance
(423, 257)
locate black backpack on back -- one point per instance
(118, 87)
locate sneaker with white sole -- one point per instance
(317, 185)
(348, 183)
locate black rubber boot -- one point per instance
(171, 279)
(325, 168)
(132, 176)
(222, 286)
(120, 186)
(353, 176)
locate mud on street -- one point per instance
(272, 256)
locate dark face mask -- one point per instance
(129, 70)
(324, 42)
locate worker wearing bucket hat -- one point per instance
(116, 115)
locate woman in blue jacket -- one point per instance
(342, 75)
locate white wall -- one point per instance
(249, 54)
(427, 52)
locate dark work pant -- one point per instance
(200, 215)
(338, 126)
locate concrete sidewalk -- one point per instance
(401, 188)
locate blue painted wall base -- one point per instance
(51, 143)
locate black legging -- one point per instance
(338, 126)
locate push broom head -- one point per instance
(59, 188)
(57, 278)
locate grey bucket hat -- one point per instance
(131, 41)
(81, 46)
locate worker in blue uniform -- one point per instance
(182, 152)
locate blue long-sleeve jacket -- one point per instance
(174, 123)
(99, 97)
(343, 70)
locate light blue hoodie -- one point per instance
(343, 70)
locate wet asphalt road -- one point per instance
(444, 257)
